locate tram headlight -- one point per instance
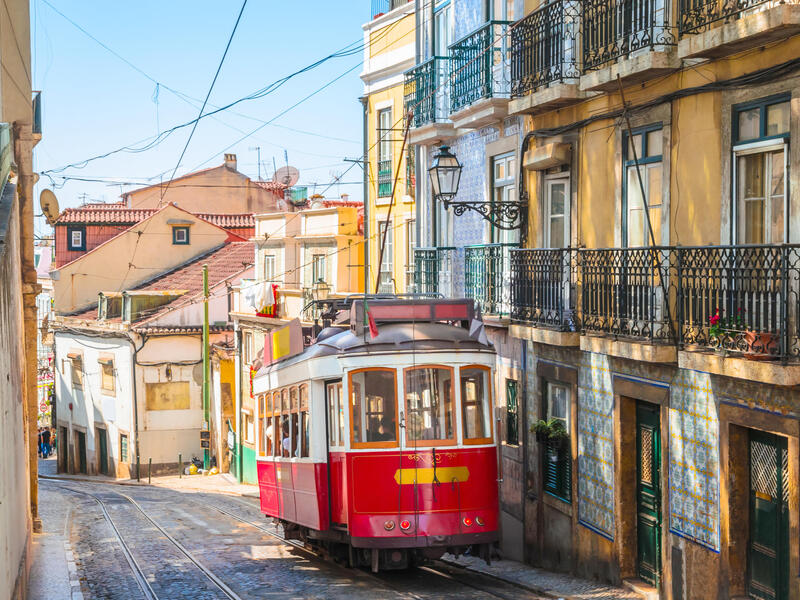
(467, 522)
(404, 525)
(388, 525)
(480, 521)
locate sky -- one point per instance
(93, 102)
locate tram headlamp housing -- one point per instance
(405, 525)
(480, 521)
(467, 522)
(388, 525)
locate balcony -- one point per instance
(433, 271)
(480, 79)
(381, 7)
(632, 39)
(543, 295)
(545, 58)
(427, 100)
(384, 178)
(487, 277)
(715, 29)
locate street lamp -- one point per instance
(445, 175)
(321, 290)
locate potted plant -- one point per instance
(551, 432)
(542, 430)
(723, 330)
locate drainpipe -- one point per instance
(136, 400)
(365, 158)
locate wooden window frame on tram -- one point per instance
(489, 407)
(359, 445)
(274, 409)
(441, 442)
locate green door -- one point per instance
(82, 451)
(768, 550)
(648, 493)
(102, 449)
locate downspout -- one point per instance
(365, 158)
(134, 363)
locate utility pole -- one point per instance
(206, 374)
(257, 149)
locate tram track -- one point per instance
(138, 572)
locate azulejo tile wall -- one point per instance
(694, 459)
(596, 445)
(468, 17)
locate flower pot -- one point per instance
(761, 346)
(542, 436)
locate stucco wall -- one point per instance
(15, 521)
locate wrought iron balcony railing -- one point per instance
(696, 16)
(543, 287)
(487, 277)
(545, 47)
(614, 29)
(380, 7)
(740, 299)
(433, 271)
(479, 65)
(384, 178)
(426, 92)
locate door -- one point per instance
(768, 549)
(81, 451)
(102, 448)
(62, 443)
(556, 218)
(648, 493)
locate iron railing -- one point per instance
(426, 92)
(479, 65)
(617, 28)
(380, 7)
(384, 178)
(487, 277)
(696, 16)
(543, 287)
(544, 47)
(433, 271)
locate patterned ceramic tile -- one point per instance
(694, 459)
(468, 16)
(596, 445)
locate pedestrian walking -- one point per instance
(46, 442)
(39, 442)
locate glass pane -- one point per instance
(655, 223)
(304, 397)
(285, 400)
(511, 167)
(653, 185)
(499, 169)
(474, 403)
(429, 404)
(637, 144)
(654, 142)
(557, 403)
(306, 432)
(340, 409)
(374, 406)
(333, 401)
(556, 232)
(751, 173)
(293, 396)
(776, 183)
(274, 431)
(557, 199)
(636, 228)
(778, 118)
(754, 221)
(295, 451)
(749, 124)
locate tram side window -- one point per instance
(374, 403)
(304, 422)
(429, 404)
(275, 429)
(293, 421)
(335, 415)
(286, 440)
(475, 404)
(262, 437)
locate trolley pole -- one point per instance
(206, 374)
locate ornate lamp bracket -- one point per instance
(503, 215)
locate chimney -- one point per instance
(345, 197)
(230, 161)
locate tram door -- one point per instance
(335, 403)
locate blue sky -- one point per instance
(93, 102)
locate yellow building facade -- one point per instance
(391, 182)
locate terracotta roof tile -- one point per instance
(117, 214)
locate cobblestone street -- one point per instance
(153, 542)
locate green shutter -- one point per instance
(558, 470)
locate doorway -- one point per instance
(102, 448)
(768, 548)
(648, 493)
(81, 439)
(62, 444)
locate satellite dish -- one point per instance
(287, 176)
(49, 204)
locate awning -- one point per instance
(106, 359)
(74, 354)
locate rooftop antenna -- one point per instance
(258, 149)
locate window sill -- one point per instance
(557, 502)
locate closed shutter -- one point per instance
(558, 470)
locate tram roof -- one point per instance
(419, 337)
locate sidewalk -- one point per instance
(539, 581)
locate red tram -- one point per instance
(380, 451)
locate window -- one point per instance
(504, 189)
(512, 413)
(318, 268)
(76, 237)
(429, 405)
(123, 447)
(556, 218)
(274, 431)
(557, 456)
(646, 144)
(373, 401)
(411, 243)
(761, 136)
(107, 383)
(386, 285)
(269, 267)
(294, 425)
(475, 403)
(249, 428)
(305, 427)
(180, 236)
(335, 414)
(262, 429)
(385, 153)
(285, 430)
(76, 364)
(247, 347)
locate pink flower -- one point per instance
(715, 319)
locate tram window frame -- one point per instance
(284, 420)
(304, 422)
(352, 402)
(487, 404)
(335, 408)
(276, 424)
(294, 421)
(262, 414)
(442, 441)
